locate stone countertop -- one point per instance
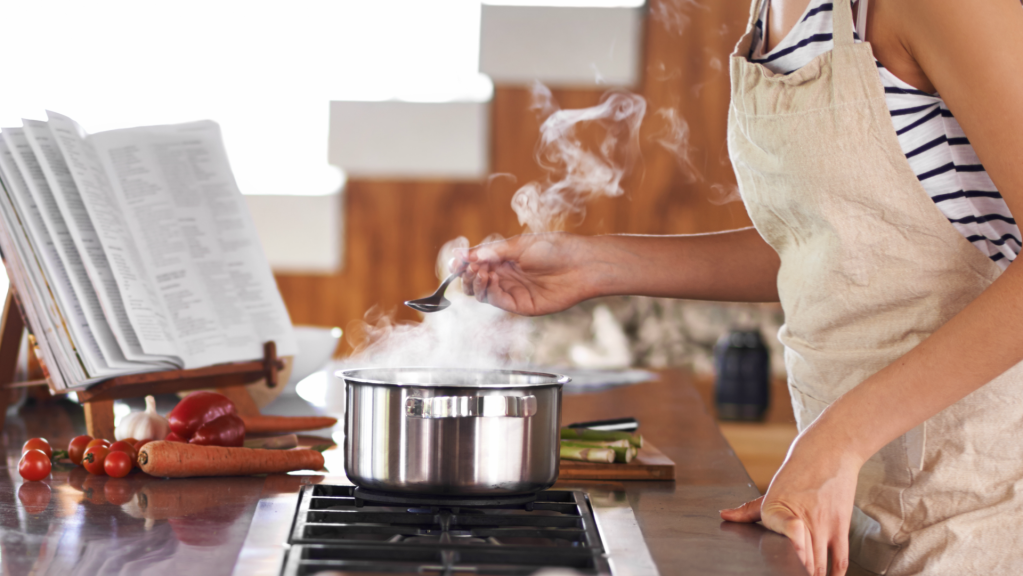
(74, 523)
(680, 520)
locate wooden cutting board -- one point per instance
(649, 464)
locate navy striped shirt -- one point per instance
(935, 146)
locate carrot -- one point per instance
(260, 424)
(158, 500)
(177, 460)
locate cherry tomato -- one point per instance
(131, 441)
(118, 464)
(118, 491)
(35, 496)
(76, 478)
(124, 446)
(94, 489)
(98, 442)
(76, 449)
(93, 459)
(141, 443)
(39, 444)
(34, 465)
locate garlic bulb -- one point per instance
(146, 425)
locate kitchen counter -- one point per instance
(75, 523)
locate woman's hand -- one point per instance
(810, 501)
(531, 274)
(535, 274)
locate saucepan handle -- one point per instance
(471, 407)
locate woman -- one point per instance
(889, 248)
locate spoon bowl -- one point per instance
(434, 302)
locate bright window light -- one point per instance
(265, 71)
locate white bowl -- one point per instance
(316, 347)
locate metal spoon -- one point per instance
(435, 302)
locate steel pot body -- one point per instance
(452, 431)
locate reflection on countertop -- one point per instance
(77, 523)
(74, 523)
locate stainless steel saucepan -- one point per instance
(452, 431)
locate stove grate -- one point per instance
(335, 531)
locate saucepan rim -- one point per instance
(489, 380)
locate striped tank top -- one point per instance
(935, 146)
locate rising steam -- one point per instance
(674, 137)
(578, 173)
(579, 168)
(468, 334)
(472, 334)
(724, 194)
(674, 15)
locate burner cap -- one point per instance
(474, 501)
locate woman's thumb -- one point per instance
(462, 257)
(459, 261)
(748, 512)
(488, 253)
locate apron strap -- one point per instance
(754, 13)
(861, 20)
(742, 47)
(843, 20)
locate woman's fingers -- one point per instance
(839, 554)
(785, 522)
(473, 262)
(810, 559)
(498, 296)
(802, 541)
(795, 530)
(457, 265)
(460, 258)
(820, 553)
(811, 545)
(479, 285)
(748, 512)
(468, 277)
(494, 253)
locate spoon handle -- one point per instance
(444, 285)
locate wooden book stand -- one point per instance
(98, 399)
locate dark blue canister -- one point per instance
(743, 366)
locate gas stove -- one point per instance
(344, 529)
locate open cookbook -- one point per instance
(133, 251)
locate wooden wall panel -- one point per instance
(394, 229)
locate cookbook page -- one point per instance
(96, 225)
(191, 222)
(54, 348)
(97, 361)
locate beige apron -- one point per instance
(869, 268)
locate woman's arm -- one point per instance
(973, 54)
(733, 266)
(537, 274)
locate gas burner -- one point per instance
(343, 529)
(362, 496)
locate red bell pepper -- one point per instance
(228, 430)
(207, 418)
(172, 437)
